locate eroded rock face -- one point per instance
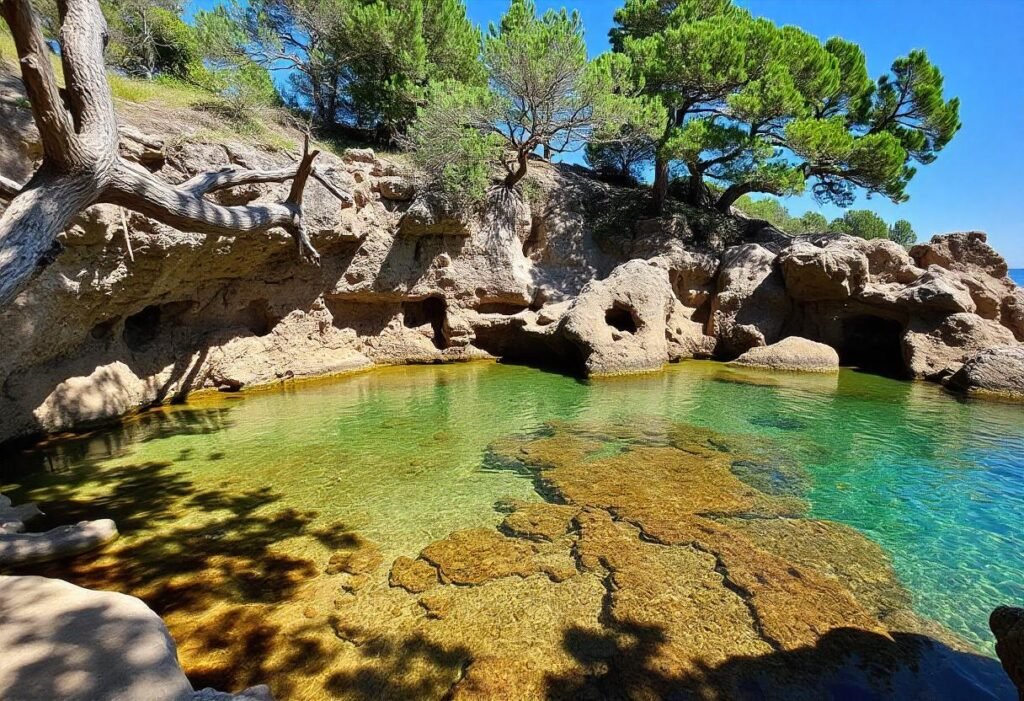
(834, 271)
(792, 354)
(750, 305)
(996, 371)
(406, 279)
(1007, 624)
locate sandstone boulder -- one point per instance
(618, 324)
(396, 188)
(967, 252)
(18, 548)
(938, 292)
(998, 371)
(936, 348)
(433, 215)
(835, 271)
(60, 641)
(889, 262)
(792, 354)
(751, 304)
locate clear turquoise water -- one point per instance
(400, 455)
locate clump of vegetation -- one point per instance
(542, 95)
(855, 222)
(755, 107)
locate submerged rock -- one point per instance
(793, 354)
(63, 541)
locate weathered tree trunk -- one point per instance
(523, 164)
(660, 188)
(734, 192)
(81, 165)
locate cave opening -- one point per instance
(432, 311)
(873, 344)
(620, 317)
(142, 328)
(259, 318)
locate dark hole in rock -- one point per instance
(259, 318)
(621, 318)
(500, 308)
(104, 329)
(142, 328)
(431, 311)
(872, 343)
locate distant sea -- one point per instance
(1017, 275)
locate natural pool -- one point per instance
(234, 509)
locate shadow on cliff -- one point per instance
(845, 663)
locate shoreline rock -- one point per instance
(792, 354)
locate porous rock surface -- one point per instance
(1007, 624)
(100, 333)
(794, 354)
(61, 641)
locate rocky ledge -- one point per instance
(60, 641)
(104, 330)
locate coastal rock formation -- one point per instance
(64, 642)
(793, 354)
(562, 279)
(1007, 624)
(996, 371)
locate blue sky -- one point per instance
(978, 179)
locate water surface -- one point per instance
(400, 457)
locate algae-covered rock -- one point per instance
(415, 576)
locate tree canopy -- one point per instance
(755, 107)
(542, 93)
(362, 63)
(855, 222)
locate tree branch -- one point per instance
(139, 190)
(52, 119)
(8, 188)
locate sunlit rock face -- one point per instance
(562, 279)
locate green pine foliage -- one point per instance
(755, 107)
(855, 222)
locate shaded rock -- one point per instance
(751, 304)
(997, 371)
(1007, 624)
(415, 576)
(433, 215)
(793, 354)
(479, 555)
(63, 541)
(936, 348)
(60, 641)
(835, 271)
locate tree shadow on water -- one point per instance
(844, 664)
(208, 558)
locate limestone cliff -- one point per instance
(104, 330)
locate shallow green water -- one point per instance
(400, 455)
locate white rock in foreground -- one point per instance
(60, 641)
(22, 548)
(794, 354)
